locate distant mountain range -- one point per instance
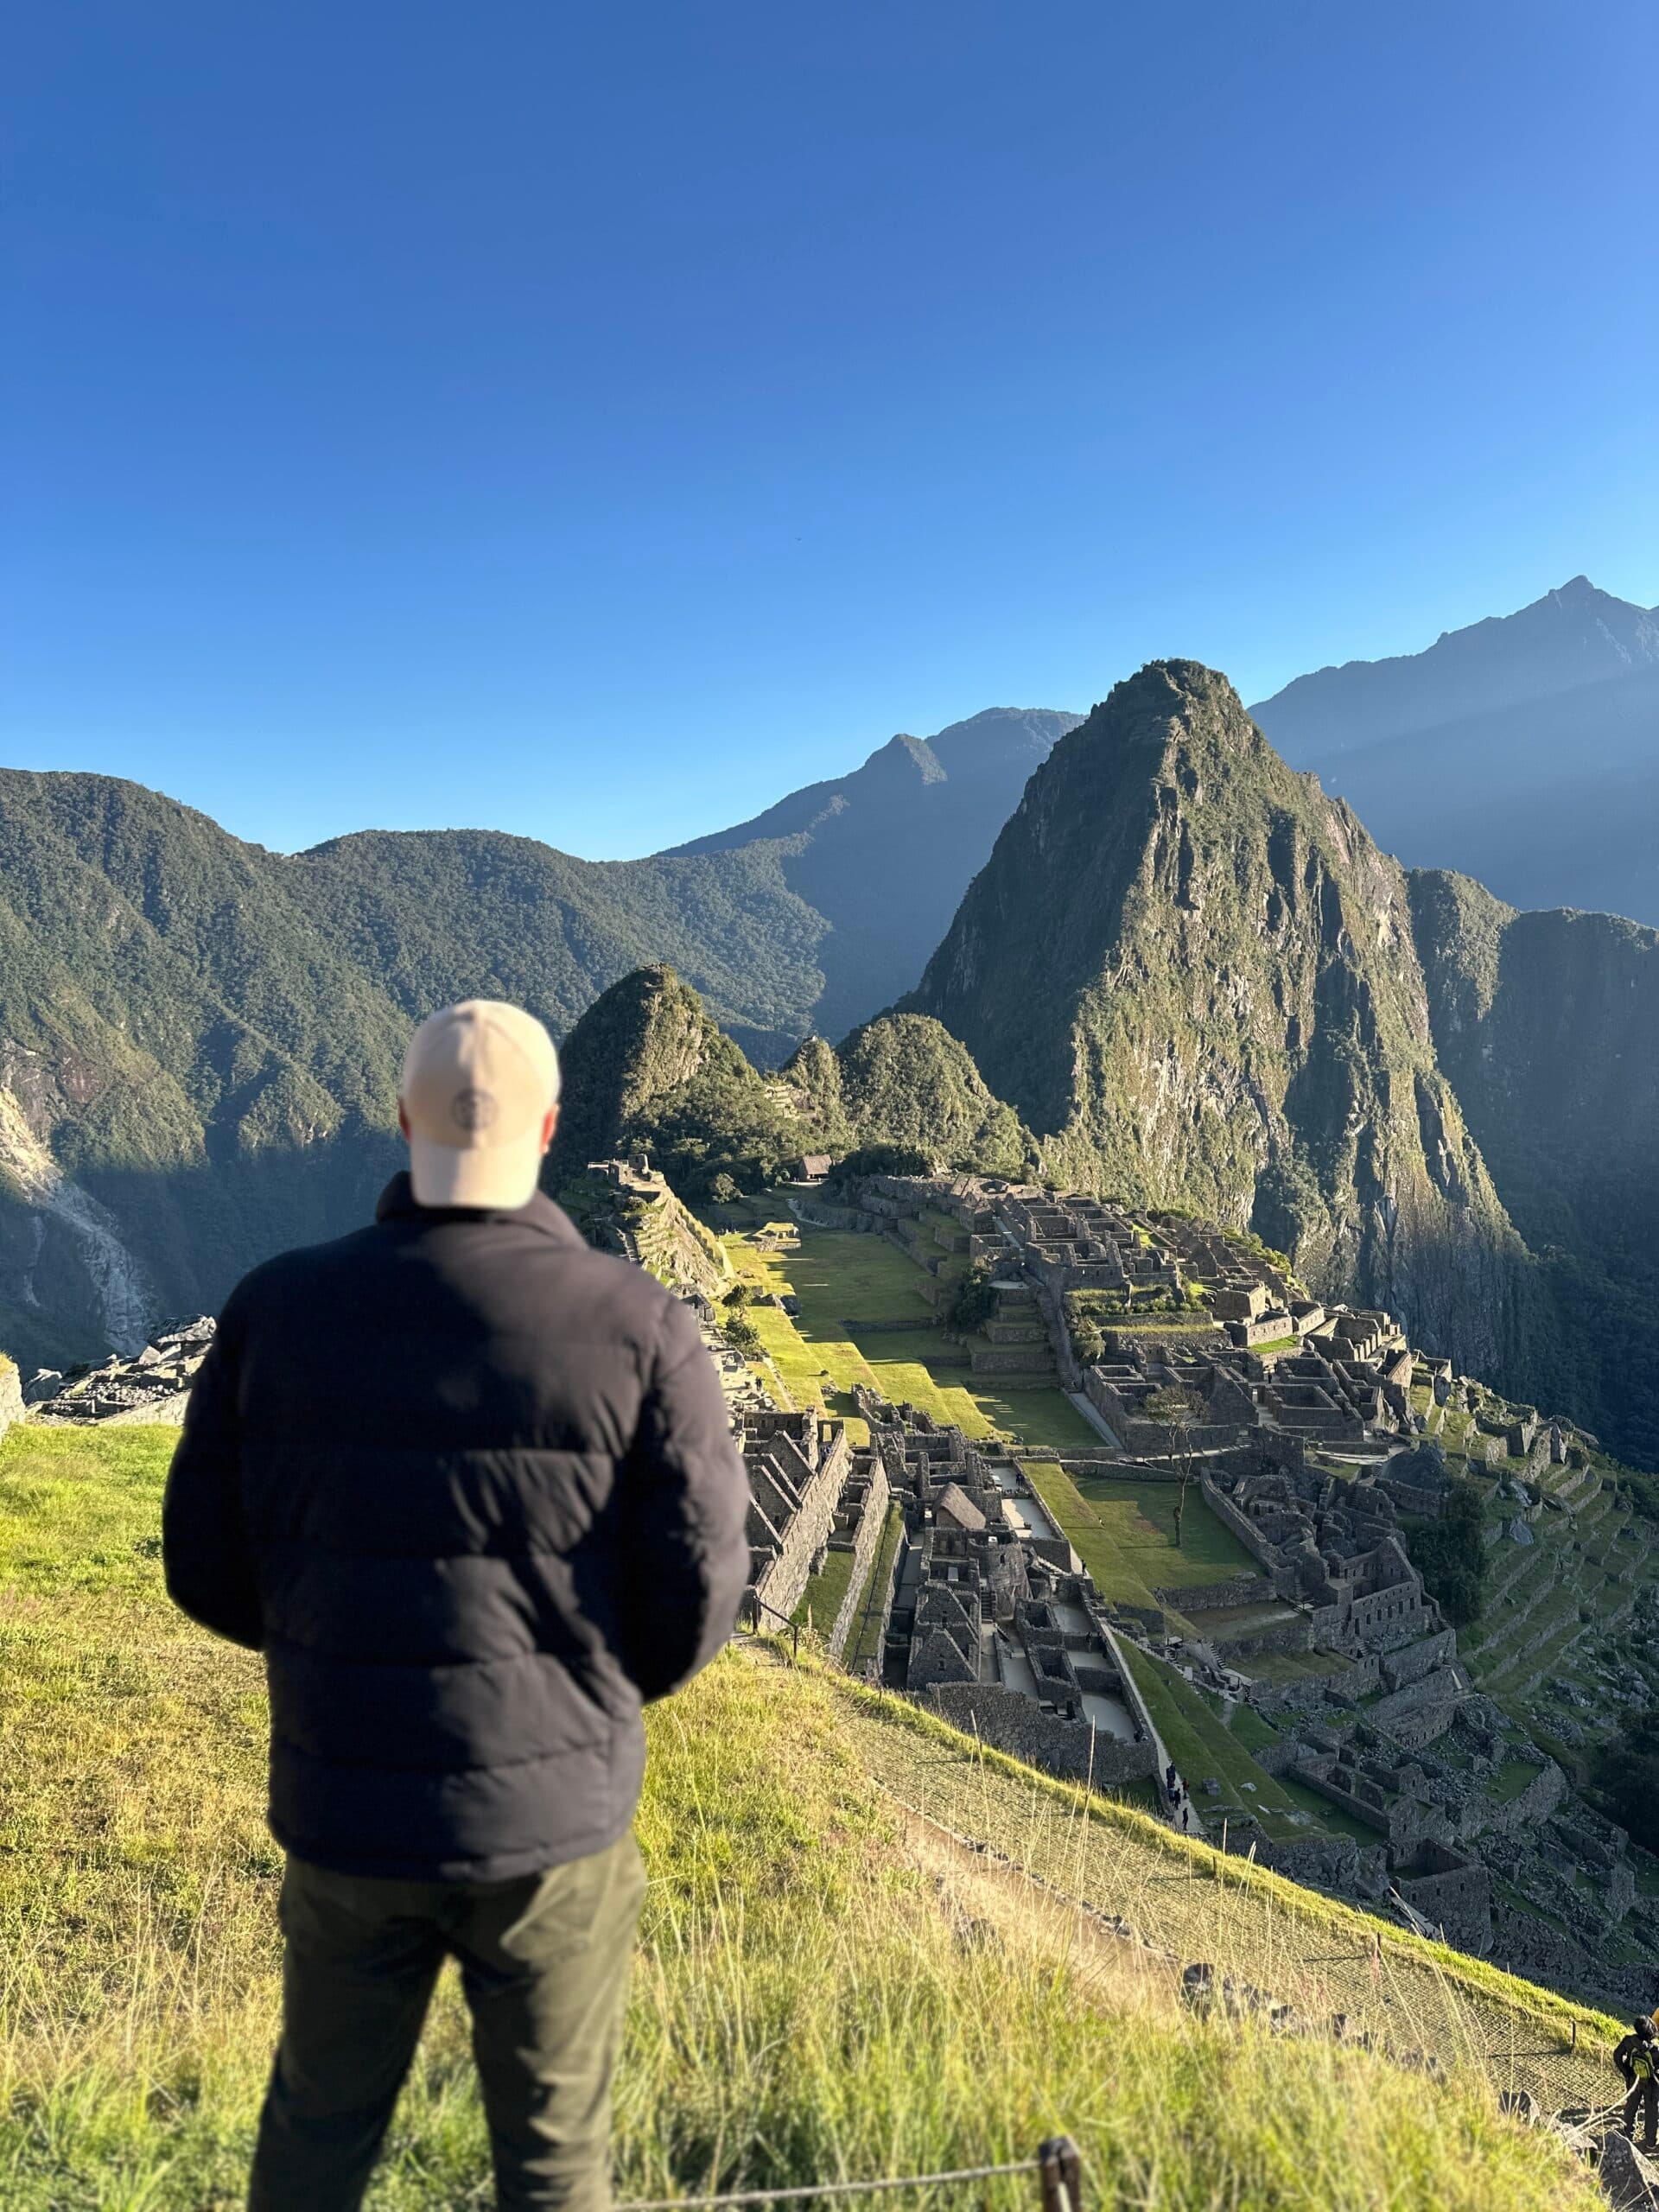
(884, 854)
(1182, 969)
(1522, 750)
(201, 1040)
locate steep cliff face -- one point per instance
(1548, 1024)
(1194, 976)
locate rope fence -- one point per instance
(1058, 2165)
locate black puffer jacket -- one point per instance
(469, 1486)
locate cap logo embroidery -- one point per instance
(473, 1110)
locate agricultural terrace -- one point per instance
(865, 1317)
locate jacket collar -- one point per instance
(397, 1202)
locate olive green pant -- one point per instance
(543, 1965)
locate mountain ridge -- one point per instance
(1522, 750)
(1574, 635)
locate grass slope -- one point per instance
(823, 1989)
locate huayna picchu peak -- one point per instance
(1193, 974)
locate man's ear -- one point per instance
(403, 1117)
(549, 1126)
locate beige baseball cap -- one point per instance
(478, 1081)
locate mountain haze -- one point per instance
(884, 854)
(1522, 750)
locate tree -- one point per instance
(1087, 1340)
(741, 1334)
(1450, 1554)
(976, 1299)
(723, 1191)
(1176, 1412)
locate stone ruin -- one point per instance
(153, 1386)
(990, 1618)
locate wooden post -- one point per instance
(1059, 2174)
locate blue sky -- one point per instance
(595, 421)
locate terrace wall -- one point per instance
(1206, 1597)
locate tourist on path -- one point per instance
(470, 1487)
(1637, 2059)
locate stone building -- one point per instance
(798, 1463)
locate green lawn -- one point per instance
(821, 1599)
(1202, 1745)
(1124, 1533)
(1251, 1730)
(844, 1283)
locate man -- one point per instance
(1637, 2059)
(470, 1487)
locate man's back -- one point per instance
(488, 1502)
(472, 1489)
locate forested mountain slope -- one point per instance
(1547, 1024)
(200, 1041)
(648, 1068)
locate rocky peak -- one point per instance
(1193, 977)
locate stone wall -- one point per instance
(1330, 1863)
(1032, 1359)
(819, 1213)
(1013, 1723)
(785, 1576)
(1240, 1524)
(1205, 1597)
(1455, 1894)
(1535, 1803)
(1410, 1665)
(1293, 1634)
(1348, 1685)
(866, 1545)
(164, 1413)
(1420, 1712)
